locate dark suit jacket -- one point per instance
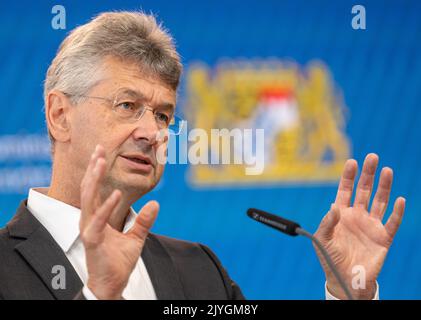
(178, 269)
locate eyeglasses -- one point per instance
(129, 110)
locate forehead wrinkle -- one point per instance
(128, 69)
(126, 77)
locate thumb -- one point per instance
(330, 220)
(145, 220)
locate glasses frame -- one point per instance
(139, 115)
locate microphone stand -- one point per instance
(328, 261)
(293, 229)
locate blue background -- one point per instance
(378, 70)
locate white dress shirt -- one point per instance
(62, 222)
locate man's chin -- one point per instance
(134, 184)
(139, 187)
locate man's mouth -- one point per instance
(138, 162)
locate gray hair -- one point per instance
(131, 36)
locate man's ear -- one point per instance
(57, 113)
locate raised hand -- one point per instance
(355, 237)
(110, 254)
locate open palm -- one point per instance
(355, 237)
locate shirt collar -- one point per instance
(61, 219)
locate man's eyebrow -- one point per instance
(139, 95)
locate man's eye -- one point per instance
(126, 106)
(162, 117)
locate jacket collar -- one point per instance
(43, 254)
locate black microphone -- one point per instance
(276, 222)
(293, 229)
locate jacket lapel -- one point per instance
(42, 253)
(161, 270)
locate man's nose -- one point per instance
(147, 127)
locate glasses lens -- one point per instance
(128, 107)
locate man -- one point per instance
(110, 93)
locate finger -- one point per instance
(395, 218)
(86, 206)
(365, 184)
(381, 199)
(346, 185)
(91, 165)
(330, 220)
(89, 192)
(144, 220)
(93, 233)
